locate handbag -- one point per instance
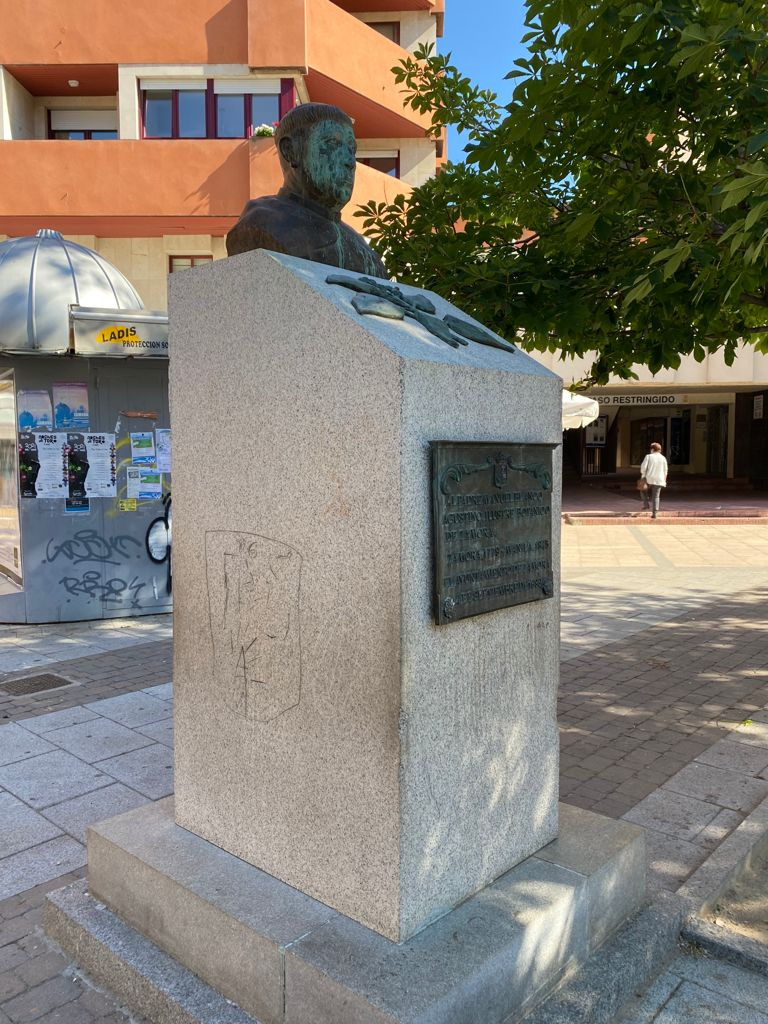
(642, 484)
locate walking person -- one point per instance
(654, 471)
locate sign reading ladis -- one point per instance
(119, 332)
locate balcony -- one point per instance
(343, 60)
(350, 65)
(130, 188)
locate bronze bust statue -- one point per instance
(316, 143)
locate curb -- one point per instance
(637, 952)
(727, 945)
(628, 961)
(572, 519)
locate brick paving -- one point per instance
(94, 676)
(635, 712)
(37, 983)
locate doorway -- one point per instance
(717, 440)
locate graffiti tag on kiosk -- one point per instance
(91, 546)
(95, 588)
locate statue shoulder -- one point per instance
(261, 225)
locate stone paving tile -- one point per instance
(682, 817)
(132, 709)
(719, 786)
(160, 732)
(16, 743)
(752, 731)
(97, 740)
(50, 778)
(74, 816)
(717, 993)
(737, 984)
(163, 691)
(693, 1004)
(741, 757)
(149, 770)
(719, 828)
(630, 720)
(59, 720)
(671, 860)
(21, 827)
(38, 864)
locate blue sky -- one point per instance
(484, 38)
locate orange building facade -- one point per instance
(135, 131)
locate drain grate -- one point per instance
(34, 684)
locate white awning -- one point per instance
(84, 120)
(578, 410)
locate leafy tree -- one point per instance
(619, 203)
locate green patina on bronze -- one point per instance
(316, 144)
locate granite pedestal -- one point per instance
(327, 731)
(178, 928)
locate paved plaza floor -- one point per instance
(697, 990)
(664, 690)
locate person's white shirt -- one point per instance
(654, 469)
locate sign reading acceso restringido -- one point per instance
(492, 526)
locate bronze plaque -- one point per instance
(492, 526)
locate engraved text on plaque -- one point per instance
(492, 522)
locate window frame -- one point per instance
(286, 100)
(365, 159)
(87, 132)
(392, 24)
(196, 260)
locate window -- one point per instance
(82, 124)
(226, 109)
(239, 111)
(85, 135)
(230, 117)
(158, 114)
(176, 109)
(176, 263)
(387, 163)
(389, 29)
(192, 119)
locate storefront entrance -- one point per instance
(694, 434)
(673, 433)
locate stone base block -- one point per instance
(287, 959)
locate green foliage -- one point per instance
(619, 203)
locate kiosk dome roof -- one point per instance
(41, 276)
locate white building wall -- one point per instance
(749, 367)
(17, 109)
(417, 156)
(417, 28)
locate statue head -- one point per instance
(316, 143)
